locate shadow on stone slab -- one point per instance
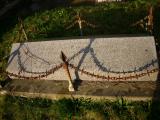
(77, 83)
(84, 88)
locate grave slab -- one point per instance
(91, 59)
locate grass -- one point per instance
(19, 108)
(114, 18)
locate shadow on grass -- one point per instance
(26, 8)
(103, 18)
(155, 106)
(10, 18)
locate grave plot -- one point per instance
(93, 59)
(95, 67)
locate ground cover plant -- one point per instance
(19, 108)
(110, 19)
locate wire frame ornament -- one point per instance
(22, 29)
(81, 23)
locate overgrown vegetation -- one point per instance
(19, 108)
(109, 18)
(113, 18)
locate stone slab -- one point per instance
(139, 90)
(114, 56)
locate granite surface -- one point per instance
(104, 56)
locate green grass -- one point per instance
(19, 108)
(110, 19)
(113, 18)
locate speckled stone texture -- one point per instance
(104, 56)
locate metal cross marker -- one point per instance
(65, 66)
(80, 21)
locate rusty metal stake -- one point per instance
(22, 28)
(65, 66)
